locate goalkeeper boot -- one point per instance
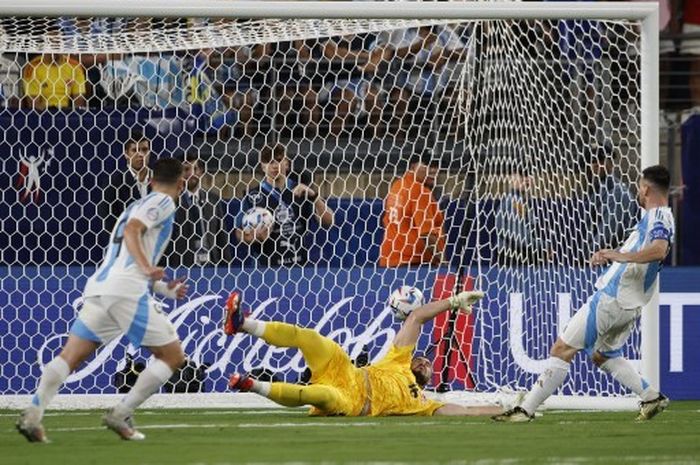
(651, 408)
(464, 300)
(124, 427)
(514, 415)
(240, 382)
(29, 425)
(234, 316)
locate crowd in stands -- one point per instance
(385, 79)
(325, 81)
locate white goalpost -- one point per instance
(515, 102)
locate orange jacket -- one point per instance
(410, 214)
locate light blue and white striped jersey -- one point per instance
(119, 274)
(632, 284)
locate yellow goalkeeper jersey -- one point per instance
(394, 390)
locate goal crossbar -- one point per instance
(330, 10)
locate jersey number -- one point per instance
(119, 231)
(119, 235)
(393, 215)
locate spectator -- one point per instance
(243, 73)
(54, 80)
(10, 81)
(216, 83)
(292, 205)
(125, 186)
(615, 209)
(155, 82)
(519, 240)
(297, 85)
(200, 236)
(412, 218)
(428, 50)
(691, 47)
(352, 89)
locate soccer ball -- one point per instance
(258, 217)
(404, 300)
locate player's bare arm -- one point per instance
(654, 252)
(454, 410)
(410, 330)
(259, 234)
(323, 213)
(432, 246)
(132, 239)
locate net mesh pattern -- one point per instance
(533, 127)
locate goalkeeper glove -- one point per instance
(465, 300)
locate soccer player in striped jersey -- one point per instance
(603, 324)
(118, 300)
(392, 386)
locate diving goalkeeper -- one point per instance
(392, 386)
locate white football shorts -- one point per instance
(104, 318)
(600, 325)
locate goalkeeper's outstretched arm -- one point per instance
(410, 330)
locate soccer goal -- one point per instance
(523, 108)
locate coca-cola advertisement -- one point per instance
(504, 343)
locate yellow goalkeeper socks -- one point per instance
(293, 395)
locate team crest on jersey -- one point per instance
(255, 197)
(283, 214)
(152, 214)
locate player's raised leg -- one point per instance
(318, 350)
(652, 401)
(578, 333)
(53, 376)
(286, 394)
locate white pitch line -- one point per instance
(169, 413)
(254, 425)
(636, 460)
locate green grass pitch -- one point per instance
(290, 437)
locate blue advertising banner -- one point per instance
(511, 335)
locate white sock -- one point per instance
(253, 327)
(548, 382)
(149, 381)
(54, 374)
(622, 370)
(261, 387)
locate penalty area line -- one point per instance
(290, 425)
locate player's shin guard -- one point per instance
(152, 378)
(54, 375)
(622, 370)
(548, 382)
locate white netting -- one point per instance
(511, 111)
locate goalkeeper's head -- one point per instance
(167, 177)
(422, 369)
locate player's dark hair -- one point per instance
(274, 152)
(167, 170)
(135, 136)
(659, 176)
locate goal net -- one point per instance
(532, 128)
